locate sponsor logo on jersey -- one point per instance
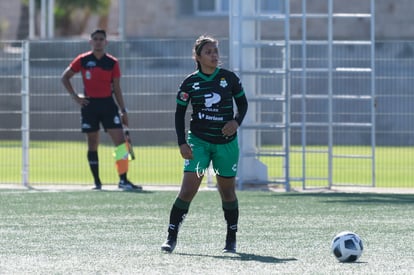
(215, 110)
(208, 117)
(210, 99)
(196, 86)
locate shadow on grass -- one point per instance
(244, 257)
(353, 263)
(45, 189)
(359, 198)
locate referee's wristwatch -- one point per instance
(124, 110)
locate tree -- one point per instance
(72, 16)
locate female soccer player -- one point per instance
(101, 78)
(212, 137)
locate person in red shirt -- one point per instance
(101, 79)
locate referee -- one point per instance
(101, 79)
(211, 92)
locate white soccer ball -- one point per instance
(347, 246)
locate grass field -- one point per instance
(65, 163)
(114, 232)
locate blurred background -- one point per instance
(329, 84)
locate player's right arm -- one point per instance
(65, 79)
(185, 149)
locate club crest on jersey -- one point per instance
(211, 98)
(117, 120)
(184, 96)
(186, 162)
(223, 82)
(91, 64)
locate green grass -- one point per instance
(113, 232)
(65, 163)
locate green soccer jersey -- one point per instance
(211, 98)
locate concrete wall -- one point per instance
(164, 19)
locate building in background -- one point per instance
(189, 18)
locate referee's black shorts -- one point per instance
(100, 111)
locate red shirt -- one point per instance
(97, 74)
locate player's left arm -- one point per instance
(240, 99)
(230, 128)
(120, 100)
(242, 105)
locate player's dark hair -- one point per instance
(199, 44)
(101, 31)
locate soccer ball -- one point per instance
(347, 247)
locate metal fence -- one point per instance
(48, 147)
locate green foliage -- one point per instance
(96, 6)
(65, 11)
(100, 7)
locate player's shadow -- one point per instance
(244, 257)
(51, 189)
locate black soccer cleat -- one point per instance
(128, 186)
(169, 245)
(230, 247)
(97, 186)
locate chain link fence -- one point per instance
(152, 70)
